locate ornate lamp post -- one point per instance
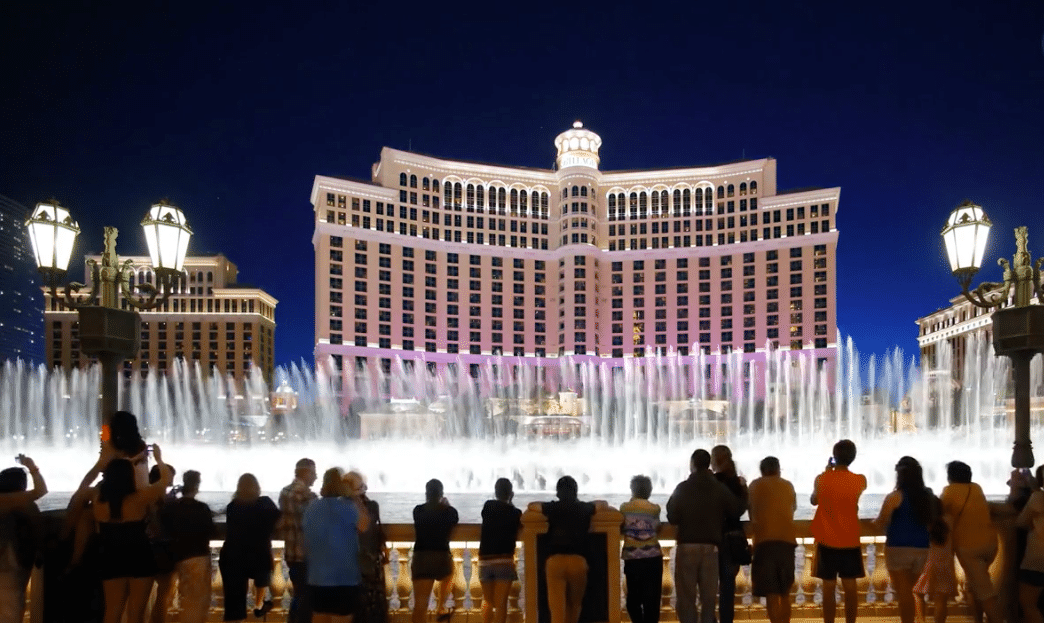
(1018, 323)
(108, 332)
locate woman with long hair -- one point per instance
(119, 508)
(725, 472)
(247, 552)
(432, 561)
(19, 517)
(906, 516)
(1031, 571)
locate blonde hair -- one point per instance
(333, 483)
(247, 489)
(355, 482)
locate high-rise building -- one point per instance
(21, 315)
(463, 263)
(211, 319)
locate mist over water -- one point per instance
(646, 417)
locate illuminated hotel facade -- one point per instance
(461, 264)
(211, 320)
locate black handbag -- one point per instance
(739, 547)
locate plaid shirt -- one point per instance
(293, 500)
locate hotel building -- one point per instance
(212, 320)
(460, 263)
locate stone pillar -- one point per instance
(602, 599)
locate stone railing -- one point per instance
(876, 595)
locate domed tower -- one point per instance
(575, 221)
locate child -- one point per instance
(939, 578)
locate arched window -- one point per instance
(501, 198)
(470, 196)
(677, 201)
(523, 203)
(576, 191)
(435, 186)
(655, 202)
(514, 200)
(731, 190)
(448, 195)
(583, 191)
(753, 188)
(708, 199)
(721, 192)
(402, 179)
(458, 189)
(643, 202)
(543, 205)
(699, 197)
(663, 201)
(565, 193)
(612, 204)
(413, 181)
(480, 198)
(426, 184)
(743, 188)
(686, 201)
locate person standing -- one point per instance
(835, 527)
(501, 521)
(1031, 571)
(293, 500)
(725, 471)
(698, 507)
(906, 514)
(247, 552)
(190, 524)
(772, 505)
(432, 561)
(19, 517)
(973, 536)
(641, 553)
(331, 528)
(373, 555)
(565, 570)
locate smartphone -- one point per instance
(831, 462)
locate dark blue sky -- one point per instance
(909, 107)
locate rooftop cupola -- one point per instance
(578, 147)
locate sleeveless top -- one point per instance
(904, 529)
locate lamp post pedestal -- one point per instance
(113, 336)
(1018, 333)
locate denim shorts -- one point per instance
(497, 570)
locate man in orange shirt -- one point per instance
(836, 530)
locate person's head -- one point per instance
(333, 484)
(190, 483)
(154, 473)
(433, 490)
(700, 461)
(566, 489)
(503, 490)
(13, 480)
(305, 471)
(721, 460)
(958, 472)
(769, 466)
(355, 483)
(124, 433)
(844, 452)
(117, 483)
(908, 475)
(641, 487)
(248, 489)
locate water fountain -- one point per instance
(644, 417)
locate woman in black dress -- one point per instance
(432, 521)
(247, 552)
(373, 555)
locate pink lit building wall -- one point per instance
(462, 265)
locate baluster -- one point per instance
(674, 585)
(393, 569)
(748, 594)
(799, 574)
(623, 588)
(465, 562)
(871, 563)
(520, 567)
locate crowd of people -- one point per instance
(127, 526)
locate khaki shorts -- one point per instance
(910, 559)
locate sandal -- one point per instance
(265, 608)
(446, 616)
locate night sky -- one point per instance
(230, 111)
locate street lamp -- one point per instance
(1018, 323)
(106, 331)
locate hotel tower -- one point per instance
(457, 264)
